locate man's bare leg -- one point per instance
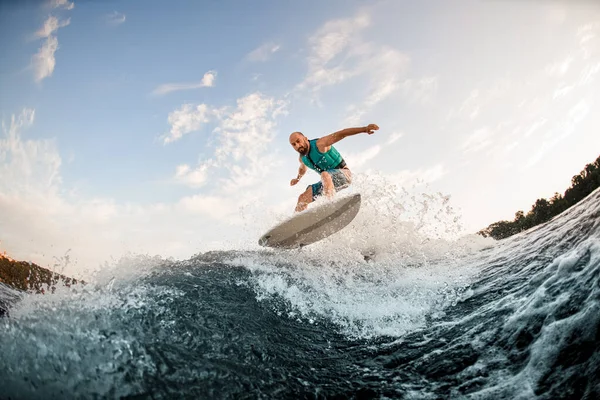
(328, 188)
(304, 199)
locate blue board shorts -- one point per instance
(340, 181)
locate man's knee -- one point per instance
(348, 176)
(307, 195)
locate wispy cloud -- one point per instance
(263, 53)
(241, 139)
(535, 126)
(44, 61)
(193, 178)
(588, 73)
(35, 207)
(588, 34)
(533, 109)
(244, 136)
(208, 80)
(574, 117)
(559, 68)
(115, 18)
(330, 41)
(215, 207)
(562, 91)
(26, 163)
(394, 137)
(406, 178)
(51, 25)
(471, 106)
(481, 100)
(339, 52)
(477, 141)
(421, 90)
(66, 4)
(188, 118)
(359, 159)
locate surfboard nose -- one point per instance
(264, 241)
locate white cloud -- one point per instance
(559, 68)
(326, 44)
(44, 61)
(422, 90)
(26, 163)
(116, 18)
(478, 140)
(246, 131)
(339, 52)
(406, 178)
(42, 220)
(588, 38)
(394, 137)
(187, 119)
(535, 126)
(51, 25)
(263, 53)
(481, 100)
(562, 91)
(334, 37)
(359, 159)
(242, 138)
(66, 4)
(385, 81)
(470, 107)
(248, 175)
(194, 178)
(576, 114)
(215, 207)
(387, 69)
(574, 117)
(208, 80)
(588, 73)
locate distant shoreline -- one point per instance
(544, 210)
(29, 277)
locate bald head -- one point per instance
(299, 142)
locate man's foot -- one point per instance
(301, 207)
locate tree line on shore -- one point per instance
(545, 209)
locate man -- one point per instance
(320, 155)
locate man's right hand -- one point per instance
(294, 181)
(371, 128)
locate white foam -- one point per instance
(414, 242)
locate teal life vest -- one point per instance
(322, 161)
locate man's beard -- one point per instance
(303, 150)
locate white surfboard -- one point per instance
(313, 224)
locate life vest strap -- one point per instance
(341, 165)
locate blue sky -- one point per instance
(162, 126)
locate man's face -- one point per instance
(299, 143)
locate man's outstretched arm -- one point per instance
(326, 141)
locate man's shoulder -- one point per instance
(320, 147)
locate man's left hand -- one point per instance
(371, 128)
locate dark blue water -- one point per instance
(517, 320)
